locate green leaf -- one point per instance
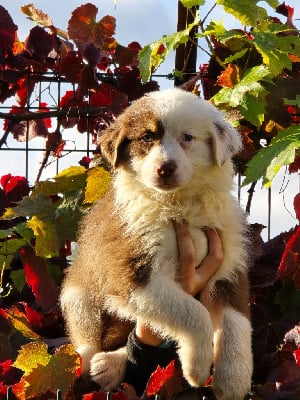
(192, 3)
(247, 11)
(274, 50)
(235, 56)
(295, 102)
(151, 56)
(215, 28)
(268, 161)
(248, 84)
(37, 204)
(253, 109)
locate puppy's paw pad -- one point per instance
(108, 369)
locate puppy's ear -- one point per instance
(113, 144)
(226, 141)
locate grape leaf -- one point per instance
(297, 356)
(275, 49)
(159, 377)
(253, 110)
(36, 15)
(288, 297)
(290, 262)
(247, 11)
(268, 161)
(97, 184)
(153, 54)
(8, 30)
(297, 205)
(19, 322)
(70, 179)
(44, 372)
(192, 3)
(39, 279)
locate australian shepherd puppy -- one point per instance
(171, 153)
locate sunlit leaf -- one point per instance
(152, 55)
(192, 3)
(20, 322)
(250, 83)
(44, 372)
(268, 161)
(247, 11)
(97, 184)
(36, 15)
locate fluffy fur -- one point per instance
(171, 153)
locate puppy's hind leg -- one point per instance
(83, 326)
(232, 350)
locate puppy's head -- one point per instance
(166, 138)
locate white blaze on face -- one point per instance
(166, 166)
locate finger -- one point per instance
(215, 247)
(186, 249)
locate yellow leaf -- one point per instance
(31, 356)
(47, 241)
(20, 322)
(98, 182)
(9, 214)
(45, 372)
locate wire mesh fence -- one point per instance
(25, 150)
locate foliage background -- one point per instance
(252, 74)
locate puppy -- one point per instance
(171, 153)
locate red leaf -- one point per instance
(80, 23)
(285, 10)
(8, 30)
(39, 279)
(297, 356)
(290, 265)
(8, 376)
(229, 77)
(295, 165)
(39, 43)
(35, 318)
(95, 396)
(297, 205)
(71, 66)
(159, 377)
(15, 187)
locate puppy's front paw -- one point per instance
(108, 368)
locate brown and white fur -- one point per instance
(171, 153)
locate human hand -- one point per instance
(191, 277)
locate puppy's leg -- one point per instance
(232, 343)
(174, 314)
(84, 327)
(108, 368)
(233, 357)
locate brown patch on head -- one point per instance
(132, 134)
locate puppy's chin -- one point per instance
(165, 186)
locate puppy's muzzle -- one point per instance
(167, 169)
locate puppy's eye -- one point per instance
(187, 137)
(148, 137)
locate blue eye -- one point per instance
(187, 137)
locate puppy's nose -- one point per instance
(166, 169)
